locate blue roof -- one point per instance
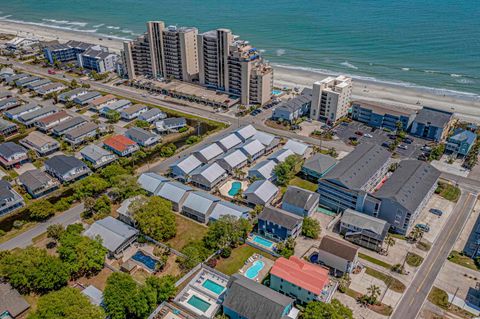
(464, 136)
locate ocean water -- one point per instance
(428, 43)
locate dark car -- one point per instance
(353, 138)
(437, 212)
(358, 133)
(386, 144)
(408, 140)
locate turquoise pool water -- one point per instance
(277, 92)
(198, 303)
(262, 241)
(253, 270)
(236, 186)
(213, 286)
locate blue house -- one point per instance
(432, 124)
(294, 108)
(461, 142)
(379, 116)
(278, 224)
(317, 166)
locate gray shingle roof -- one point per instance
(174, 121)
(298, 148)
(264, 189)
(254, 301)
(226, 208)
(62, 164)
(252, 147)
(338, 247)
(94, 152)
(300, 197)
(38, 113)
(188, 164)
(68, 124)
(233, 159)
(34, 179)
(69, 94)
(11, 301)
(229, 141)
(355, 169)
(281, 155)
(139, 134)
(410, 183)
(295, 103)
(362, 221)
(8, 149)
(210, 152)
(266, 138)
(6, 124)
(265, 168)
(23, 108)
(280, 217)
(209, 172)
(434, 117)
(81, 131)
(200, 202)
(173, 191)
(134, 109)
(112, 231)
(151, 181)
(319, 163)
(246, 132)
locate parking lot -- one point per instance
(377, 136)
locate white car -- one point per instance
(368, 135)
(403, 147)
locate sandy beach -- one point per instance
(466, 106)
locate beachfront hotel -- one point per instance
(215, 59)
(331, 99)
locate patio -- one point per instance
(263, 272)
(225, 188)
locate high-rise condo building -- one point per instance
(331, 98)
(136, 57)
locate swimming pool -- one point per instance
(253, 271)
(213, 286)
(199, 303)
(262, 241)
(236, 186)
(148, 261)
(277, 92)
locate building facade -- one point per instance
(331, 99)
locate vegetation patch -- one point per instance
(237, 259)
(299, 182)
(448, 191)
(462, 260)
(414, 260)
(375, 261)
(438, 297)
(423, 245)
(187, 231)
(392, 283)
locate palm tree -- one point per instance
(389, 241)
(374, 291)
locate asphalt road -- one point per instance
(25, 239)
(413, 299)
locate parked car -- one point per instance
(437, 212)
(403, 147)
(426, 148)
(392, 136)
(386, 144)
(358, 133)
(408, 140)
(344, 124)
(353, 138)
(423, 157)
(52, 72)
(368, 135)
(423, 227)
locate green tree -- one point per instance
(321, 310)
(125, 186)
(287, 248)
(311, 228)
(389, 241)
(142, 124)
(195, 253)
(112, 171)
(90, 186)
(168, 150)
(112, 116)
(41, 210)
(155, 218)
(73, 84)
(33, 270)
(102, 206)
(373, 293)
(67, 303)
(55, 231)
(287, 169)
(193, 139)
(227, 231)
(164, 287)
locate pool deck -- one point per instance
(228, 185)
(264, 272)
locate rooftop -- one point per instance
(112, 232)
(433, 117)
(8, 149)
(11, 301)
(298, 148)
(264, 189)
(64, 164)
(94, 152)
(363, 221)
(280, 217)
(338, 247)
(119, 142)
(300, 197)
(383, 109)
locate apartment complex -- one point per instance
(215, 59)
(331, 98)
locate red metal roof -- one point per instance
(119, 142)
(301, 273)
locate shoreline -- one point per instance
(465, 105)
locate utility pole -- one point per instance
(454, 295)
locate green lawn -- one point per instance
(462, 260)
(448, 191)
(297, 181)
(237, 259)
(375, 261)
(414, 260)
(438, 297)
(393, 283)
(187, 231)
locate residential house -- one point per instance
(298, 148)
(12, 304)
(337, 254)
(246, 132)
(23, 82)
(6, 72)
(152, 115)
(280, 155)
(432, 124)
(7, 128)
(98, 59)
(116, 236)
(403, 196)
(125, 213)
(208, 176)
(317, 166)
(93, 294)
(9, 103)
(97, 156)
(278, 224)
(261, 192)
(50, 88)
(84, 99)
(253, 149)
(42, 144)
(142, 137)
(348, 183)
(170, 125)
(12, 154)
(376, 115)
(301, 280)
(5, 94)
(229, 142)
(14, 113)
(364, 230)
(115, 106)
(30, 118)
(295, 108)
(233, 160)
(10, 200)
(223, 208)
(97, 103)
(120, 145)
(67, 125)
(461, 142)
(134, 111)
(80, 134)
(38, 183)
(176, 193)
(151, 182)
(262, 170)
(270, 141)
(66, 168)
(46, 123)
(199, 205)
(12, 79)
(72, 94)
(183, 168)
(300, 201)
(208, 153)
(36, 84)
(246, 298)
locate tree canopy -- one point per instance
(41, 210)
(155, 218)
(90, 186)
(67, 303)
(287, 169)
(195, 253)
(227, 231)
(311, 228)
(321, 310)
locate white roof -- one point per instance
(264, 138)
(281, 155)
(211, 151)
(264, 190)
(226, 208)
(253, 147)
(265, 168)
(210, 172)
(112, 232)
(246, 132)
(200, 201)
(297, 147)
(230, 141)
(94, 294)
(188, 164)
(173, 191)
(151, 181)
(235, 158)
